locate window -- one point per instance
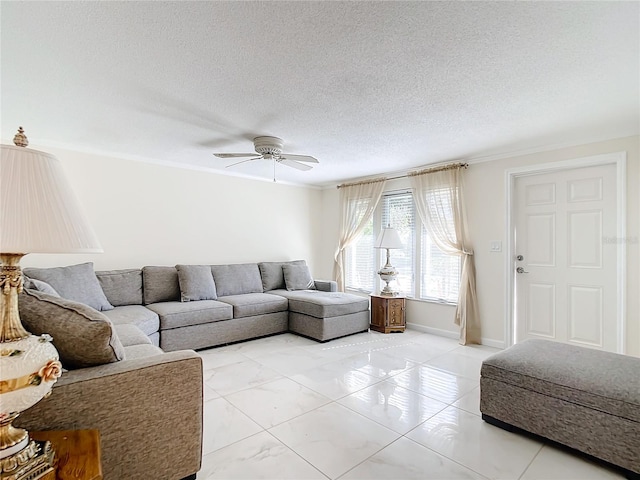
(398, 212)
(360, 269)
(440, 273)
(360, 265)
(424, 271)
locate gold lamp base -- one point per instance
(11, 438)
(33, 462)
(29, 367)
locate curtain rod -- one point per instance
(442, 168)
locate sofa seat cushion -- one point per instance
(182, 314)
(133, 352)
(603, 381)
(131, 335)
(137, 315)
(316, 303)
(251, 304)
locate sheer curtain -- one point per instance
(357, 203)
(440, 204)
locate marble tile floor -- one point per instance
(367, 406)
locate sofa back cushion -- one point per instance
(122, 287)
(83, 336)
(237, 279)
(272, 275)
(75, 282)
(160, 285)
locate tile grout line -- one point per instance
(328, 401)
(297, 454)
(529, 464)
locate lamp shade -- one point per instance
(388, 238)
(39, 212)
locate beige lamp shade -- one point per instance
(39, 212)
(388, 238)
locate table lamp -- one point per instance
(38, 214)
(388, 239)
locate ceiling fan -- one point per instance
(270, 148)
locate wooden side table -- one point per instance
(77, 454)
(387, 314)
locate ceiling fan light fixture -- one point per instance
(270, 148)
(268, 145)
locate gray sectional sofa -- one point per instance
(125, 338)
(245, 301)
(248, 301)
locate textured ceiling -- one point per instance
(365, 87)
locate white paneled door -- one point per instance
(566, 256)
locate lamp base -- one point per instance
(388, 274)
(12, 439)
(387, 292)
(33, 462)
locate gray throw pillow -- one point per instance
(160, 284)
(39, 285)
(272, 276)
(75, 282)
(83, 336)
(236, 279)
(122, 287)
(196, 283)
(297, 277)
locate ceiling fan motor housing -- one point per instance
(268, 145)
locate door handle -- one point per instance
(521, 270)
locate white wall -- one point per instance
(146, 214)
(485, 198)
(486, 208)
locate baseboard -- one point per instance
(449, 334)
(489, 342)
(433, 331)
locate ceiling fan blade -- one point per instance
(294, 164)
(299, 158)
(243, 161)
(234, 155)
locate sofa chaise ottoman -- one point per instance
(325, 315)
(581, 398)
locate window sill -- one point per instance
(437, 302)
(365, 293)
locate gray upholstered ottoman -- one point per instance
(582, 398)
